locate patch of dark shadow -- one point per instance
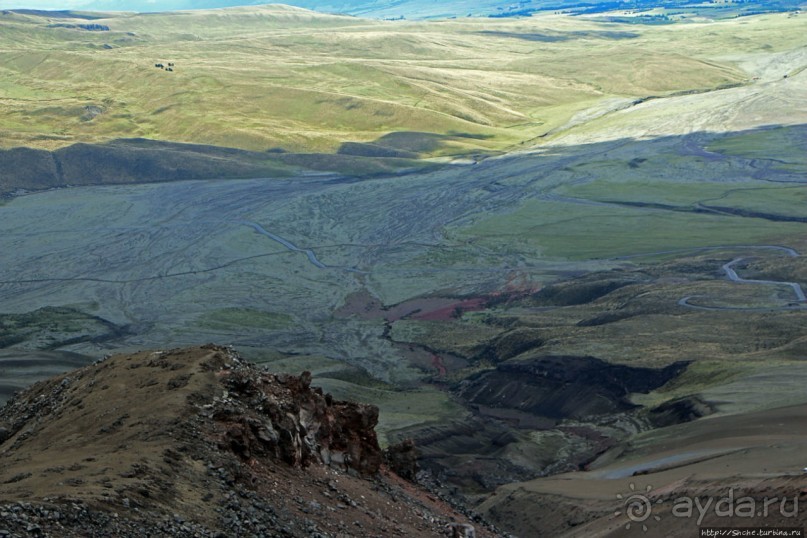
(605, 319)
(695, 91)
(678, 411)
(642, 19)
(126, 161)
(472, 136)
(57, 470)
(543, 38)
(162, 109)
(38, 359)
(355, 166)
(91, 112)
(563, 36)
(140, 160)
(512, 344)
(10, 340)
(374, 150)
(115, 426)
(414, 141)
(502, 321)
(26, 168)
(605, 34)
(356, 376)
(635, 163)
(61, 14)
(655, 205)
(526, 12)
(18, 478)
(576, 293)
(55, 327)
(747, 213)
(86, 27)
(38, 366)
(178, 381)
(84, 338)
(349, 103)
(562, 387)
(402, 458)
(6, 390)
(701, 208)
(148, 143)
(472, 453)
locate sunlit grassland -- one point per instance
(785, 200)
(786, 148)
(261, 78)
(577, 232)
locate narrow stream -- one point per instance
(294, 248)
(288, 244)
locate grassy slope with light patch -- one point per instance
(265, 77)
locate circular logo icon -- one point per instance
(637, 507)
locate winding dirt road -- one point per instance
(732, 275)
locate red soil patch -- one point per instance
(437, 362)
(453, 310)
(428, 360)
(364, 305)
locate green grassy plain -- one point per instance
(780, 145)
(274, 76)
(556, 230)
(229, 318)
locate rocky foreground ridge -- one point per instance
(198, 443)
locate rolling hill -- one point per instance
(273, 79)
(419, 9)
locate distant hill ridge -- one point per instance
(418, 9)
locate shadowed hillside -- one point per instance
(150, 161)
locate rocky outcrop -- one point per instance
(402, 458)
(282, 416)
(197, 443)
